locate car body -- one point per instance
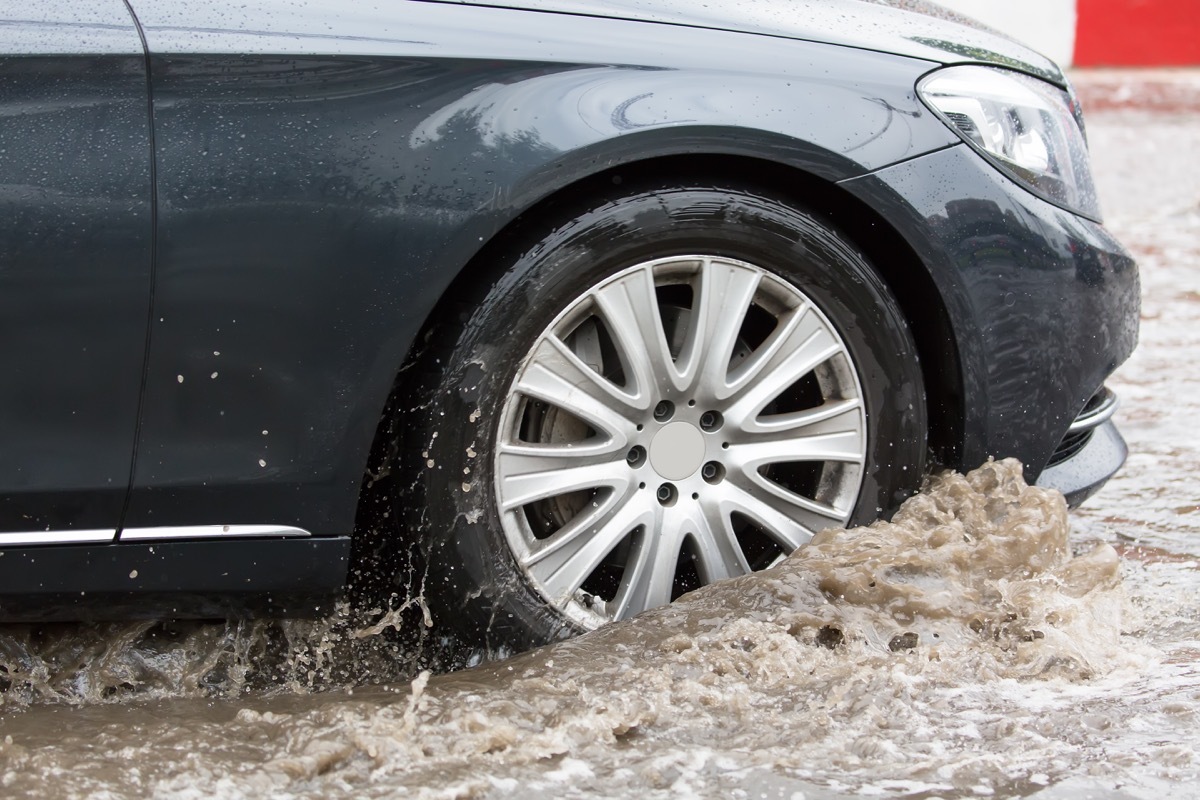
(231, 233)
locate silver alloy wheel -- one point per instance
(688, 419)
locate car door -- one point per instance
(76, 229)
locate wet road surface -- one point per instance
(978, 645)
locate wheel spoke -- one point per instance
(795, 349)
(630, 307)
(790, 524)
(650, 572)
(557, 376)
(723, 296)
(568, 557)
(787, 518)
(718, 551)
(841, 446)
(832, 416)
(538, 472)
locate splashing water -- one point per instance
(920, 644)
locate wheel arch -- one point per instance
(890, 254)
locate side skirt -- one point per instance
(214, 577)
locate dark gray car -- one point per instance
(563, 308)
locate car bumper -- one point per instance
(1081, 475)
(1043, 305)
(1090, 453)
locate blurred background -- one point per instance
(1097, 33)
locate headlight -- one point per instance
(1023, 125)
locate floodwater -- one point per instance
(980, 644)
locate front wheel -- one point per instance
(674, 387)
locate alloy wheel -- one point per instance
(688, 419)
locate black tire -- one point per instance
(479, 596)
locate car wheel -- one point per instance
(672, 387)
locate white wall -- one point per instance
(1047, 26)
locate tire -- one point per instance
(716, 449)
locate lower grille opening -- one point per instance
(1098, 410)
(1071, 444)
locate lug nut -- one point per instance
(664, 410)
(711, 420)
(636, 456)
(666, 494)
(712, 472)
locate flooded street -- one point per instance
(983, 643)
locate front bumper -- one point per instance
(1081, 475)
(1090, 453)
(1043, 305)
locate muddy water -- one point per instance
(941, 649)
(978, 645)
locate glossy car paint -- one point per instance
(75, 272)
(313, 209)
(933, 34)
(1042, 300)
(325, 174)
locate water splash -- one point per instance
(910, 644)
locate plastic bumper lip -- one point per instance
(1083, 474)
(1098, 414)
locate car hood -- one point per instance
(905, 27)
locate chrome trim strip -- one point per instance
(209, 532)
(56, 537)
(1094, 418)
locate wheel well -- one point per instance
(887, 251)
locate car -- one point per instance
(537, 313)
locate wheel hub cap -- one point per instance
(677, 451)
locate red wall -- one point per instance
(1137, 32)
